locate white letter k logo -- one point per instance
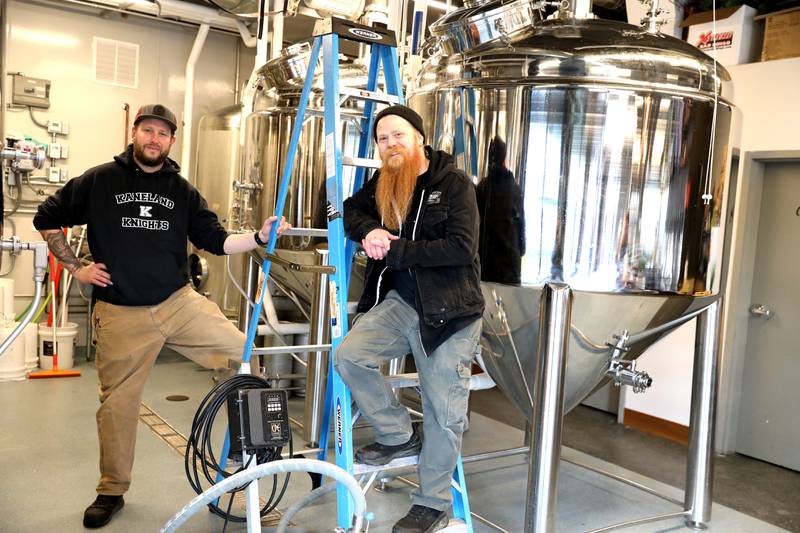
(144, 211)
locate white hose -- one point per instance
(308, 499)
(244, 477)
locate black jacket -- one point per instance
(439, 241)
(138, 225)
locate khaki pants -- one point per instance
(128, 340)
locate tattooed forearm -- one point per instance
(57, 242)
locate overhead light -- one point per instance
(442, 6)
(43, 37)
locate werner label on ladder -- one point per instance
(418, 223)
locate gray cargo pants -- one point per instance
(390, 330)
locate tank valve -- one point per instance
(652, 22)
(240, 185)
(624, 372)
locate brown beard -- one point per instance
(396, 183)
(138, 151)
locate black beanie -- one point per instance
(403, 112)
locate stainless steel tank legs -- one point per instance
(548, 408)
(700, 464)
(548, 413)
(317, 361)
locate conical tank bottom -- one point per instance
(511, 330)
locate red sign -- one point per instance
(707, 40)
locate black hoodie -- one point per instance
(438, 241)
(138, 225)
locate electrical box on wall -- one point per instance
(57, 175)
(34, 92)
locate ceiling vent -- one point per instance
(116, 62)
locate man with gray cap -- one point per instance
(417, 220)
(139, 212)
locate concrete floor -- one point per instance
(48, 452)
(763, 490)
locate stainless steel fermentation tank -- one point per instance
(267, 133)
(251, 161)
(600, 187)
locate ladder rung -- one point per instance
(361, 162)
(397, 464)
(301, 348)
(374, 96)
(403, 381)
(305, 232)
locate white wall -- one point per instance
(669, 363)
(766, 94)
(766, 118)
(56, 44)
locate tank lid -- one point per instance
(288, 72)
(579, 50)
(483, 22)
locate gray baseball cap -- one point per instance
(157, 111)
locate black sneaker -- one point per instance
(377, 454)
(102, 509)
(421, 519)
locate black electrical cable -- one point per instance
(261, 15)
(199, 449)
(33, 118)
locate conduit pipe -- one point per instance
(275, 325)
(188, 99)
(248, 39)
(277, 30)
(169, 9)
(244, 477)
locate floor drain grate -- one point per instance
(178, 442)
(177, 398)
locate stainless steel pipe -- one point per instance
(317, 368)
(251, 288)
(700, 464)
(548, 408)
(14, 245)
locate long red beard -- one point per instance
(396, 184)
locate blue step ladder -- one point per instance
(337, 401)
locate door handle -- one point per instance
(762, 311)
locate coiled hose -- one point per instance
(200, 450)
(242, 478)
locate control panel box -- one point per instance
(259, 419)
(33, 92)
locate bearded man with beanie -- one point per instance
(417, 220)
(139, 213)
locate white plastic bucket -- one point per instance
(6, 301)
(65, 339)
(12, 361)
(31, 334)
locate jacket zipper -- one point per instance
(378, 287)
(414, 237)
(380, 277)
(416, 220)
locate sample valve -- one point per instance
(624, 372)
